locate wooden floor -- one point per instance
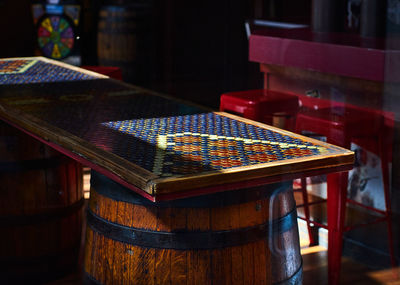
(353, 273)
(314, 271)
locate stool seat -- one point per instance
(340, 124)
(111, 71)
(260, 105)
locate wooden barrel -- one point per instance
(238, 237)
(41, 201)
(324, 16)
(124, 40)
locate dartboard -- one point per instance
(55, 36)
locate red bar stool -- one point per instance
(111, 71)
(261, 105)
(343, 124)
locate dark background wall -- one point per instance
(16, 28)
(198, 50)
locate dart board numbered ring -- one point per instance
(56, 36)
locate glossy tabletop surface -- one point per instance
(150, 143)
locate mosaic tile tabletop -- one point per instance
(155, 143)
(204, 142)
(38, 70)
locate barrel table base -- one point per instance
(239, 237)
(41, 210)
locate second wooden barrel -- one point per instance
(124, 39)
(239, 237)
(41, 202)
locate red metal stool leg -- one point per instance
(336, 208)
(336, 203)
(382, 144)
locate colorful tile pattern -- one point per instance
(24, 71)
(15, 66)
(203, 142)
